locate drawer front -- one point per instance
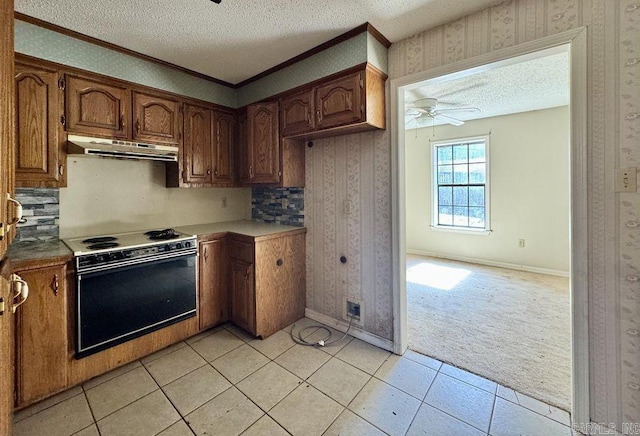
(241, 250)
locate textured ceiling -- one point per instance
(238, 39)
(521, 86)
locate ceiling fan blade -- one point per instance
(415, 118)
(456, 109)
(451, 120)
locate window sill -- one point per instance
(482, 232)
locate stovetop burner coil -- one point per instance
(100, 239)
(103, 245)
(161, 235)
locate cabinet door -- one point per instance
(6, 359)
(242, 295)
(214, 304)
(155, 118)
(297, 113)
(280, 283)
(38, 112)
(197, 145)
(97, 108)
(223, 128)
(340, 101)
(263, 143)
(7, 122)
(41, 335)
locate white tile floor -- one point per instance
(222, 382)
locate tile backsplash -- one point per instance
(41, 210)
(278, 205)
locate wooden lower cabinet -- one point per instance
(280, 282)
(41, 335)
(213, 292)
(242, 295)
(6, 359)
(267, 283)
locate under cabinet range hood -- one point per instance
(120, 149)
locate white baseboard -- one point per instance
(356, 331)
(551, 272)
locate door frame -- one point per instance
(576, 39)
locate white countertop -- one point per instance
(253, 229)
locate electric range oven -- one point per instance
(130, 284)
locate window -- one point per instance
(461, 188)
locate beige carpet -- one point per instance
(509, 326)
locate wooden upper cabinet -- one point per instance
(297, 113)
(340, 101)
(223, 152)
(96, 108)
(347, 102)
(155, 118)
(198, 144)
(39, 156)
(263, 142)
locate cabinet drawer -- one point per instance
(241, 250)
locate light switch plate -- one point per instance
(626, 180)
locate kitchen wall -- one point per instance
(115, 195)
(529, 186)
(348, 212)
(613, 52)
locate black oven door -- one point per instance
(119, 303)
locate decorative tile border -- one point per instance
(41, 210)
(278, 205)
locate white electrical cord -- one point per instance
(322, 342)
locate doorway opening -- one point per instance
(488, 223)
(469, 218)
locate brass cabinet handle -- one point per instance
(319, 115)
(206, 255)
(122, 124)
(208, 171)
(18, 213)
(251, 172)
(137, 126)
(61, 170)
(56, 285)
(215, 172)
(307, 115)
(20, 290)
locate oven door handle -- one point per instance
(99, 268)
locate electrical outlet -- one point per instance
(521, 243)
(353, 310)
(626, 180)
(224, 201)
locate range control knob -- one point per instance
(179, 245)
(167, 247)
(187, 244)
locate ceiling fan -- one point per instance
(428, 108)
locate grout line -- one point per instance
(493, 409)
